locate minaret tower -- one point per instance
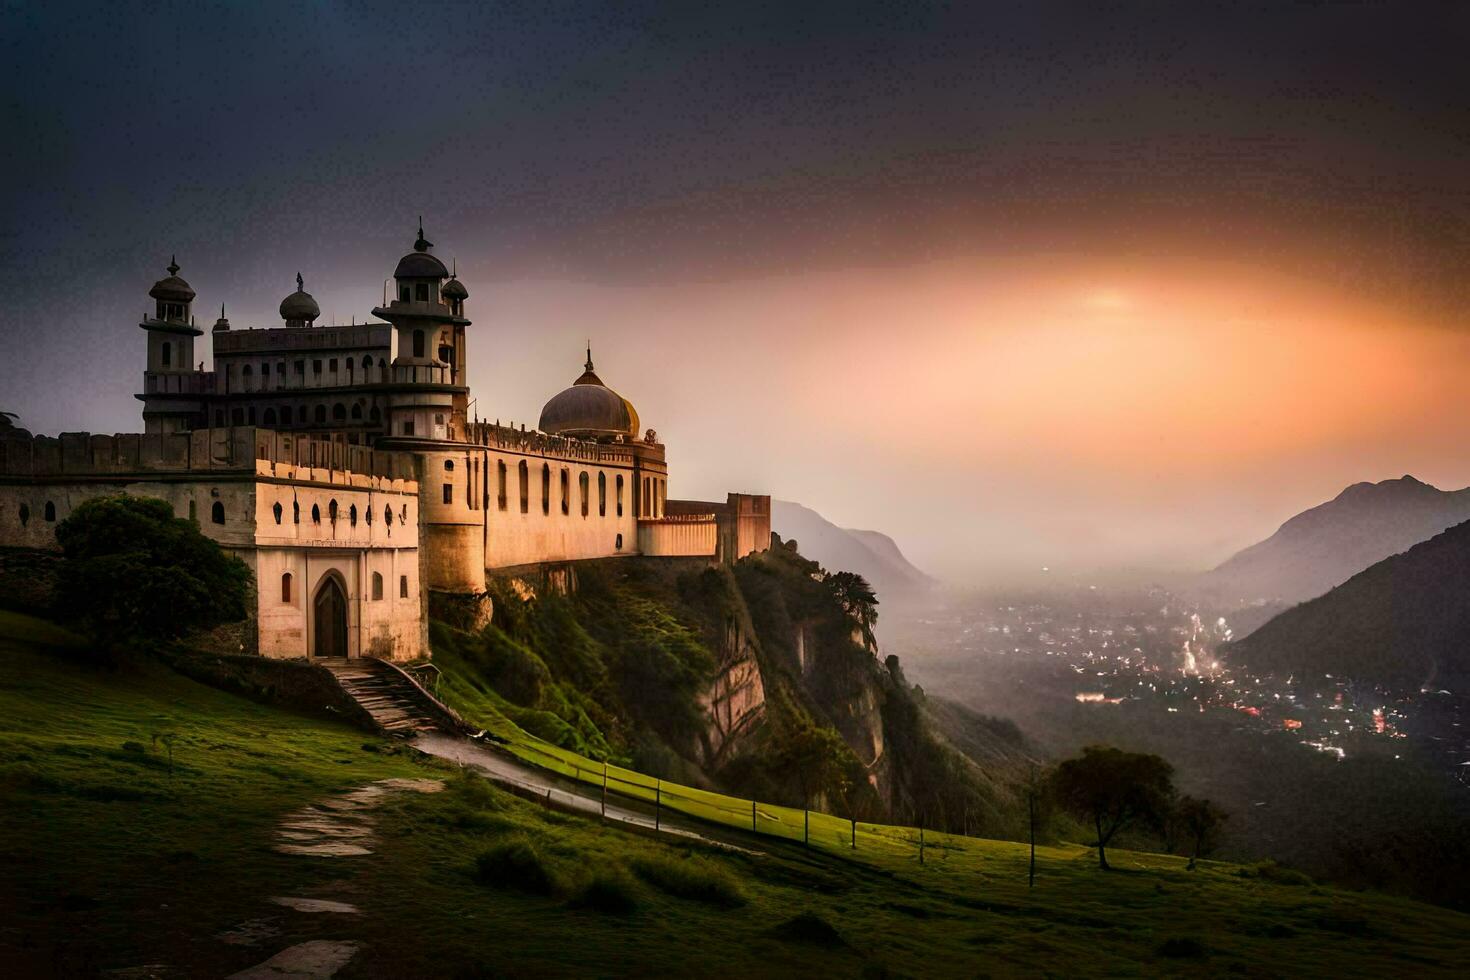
(171, 385)
(430, 391)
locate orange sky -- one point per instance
(997, 417)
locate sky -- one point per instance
(1085, 287)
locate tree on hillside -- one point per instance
(818, 758)
(1198, 825)
(1113, 789)
(134, 571)
(858, 600)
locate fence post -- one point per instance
(604, 789)
(806, 828)
(752, 818)
(658, 793)
(921, 840)
(854, 833)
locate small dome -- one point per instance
(299, 305)
(221, 325)
(419, 264)
(172, 289)
(454, 289)
(589, 409)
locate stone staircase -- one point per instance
(398, 705)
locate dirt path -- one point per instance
(335, 828)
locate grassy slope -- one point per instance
(115, 863)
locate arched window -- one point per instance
(269, 418)
(421, 292)
(321, 414)
(352, 515)
(278, 510)
(367, 362)
(193, 510)
(25, 515)
(367, 513)
(332, 511)
(620, 494)
(376, 415)
(388, 515)
(316, 514)
(582, 485)
(405, 294)
(601, 494)
(449, 466)
(500, 489)
(377, 585)
(237, 416)
(566, 491)
(403, 514)
(286, 587)
(525, 474)
(418, 343)
(339, 412)
(619, 544)
(545, 489)
(295, 512)
(168, 354)
(49, 512)
(403, 586)
(247, 375)
(217, 513)
(357, 411)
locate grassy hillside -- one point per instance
(112, 862)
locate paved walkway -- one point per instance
(503, 767)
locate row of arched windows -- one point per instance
(377, 591)
(258, 378)
(523, 473)
(300, 415)
(278, 511)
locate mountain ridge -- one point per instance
(1404, 621)
(1325, 545)
(872, 554)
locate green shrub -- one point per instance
(516, 863)
(692, 878)
(610, 891)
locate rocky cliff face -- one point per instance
(754, 679)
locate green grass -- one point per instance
(110, 861)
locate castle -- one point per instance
(340, 462)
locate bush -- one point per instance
(610, 891)
(517, 864)
(692, 878)
(1275, 873)
(134, 571)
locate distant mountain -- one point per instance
(1327, 545)
(1404, 621)
(869, 553)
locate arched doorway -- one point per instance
(330, 614)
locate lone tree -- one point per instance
(134, 571)
(1199, 823)
(1114, 789)
(858, 600)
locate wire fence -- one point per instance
(811, 827)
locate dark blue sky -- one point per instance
(679, 142)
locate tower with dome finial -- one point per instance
(171, 402)
(431, 396)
